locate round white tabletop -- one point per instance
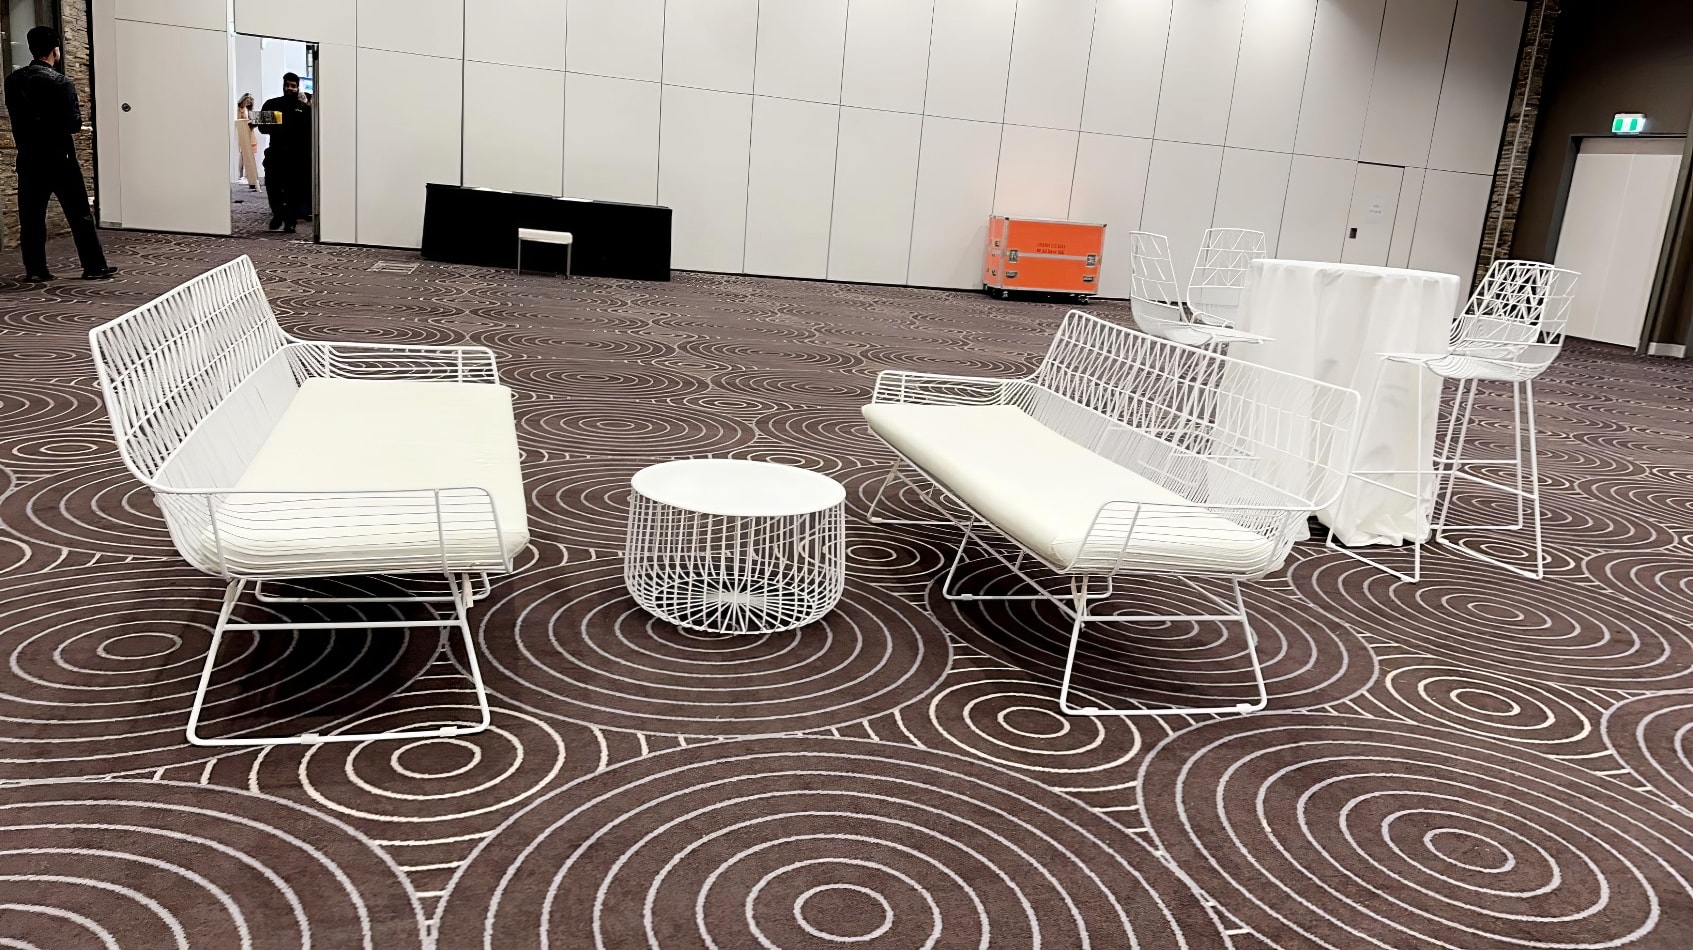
(735, 488)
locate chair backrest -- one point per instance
(1155, 295)
(1517, 315)
(1216, 430)
(195, 380)
(1219, 272)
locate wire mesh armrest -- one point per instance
(1190, 537)
(337, 533)
(463, 364)
(935, 389)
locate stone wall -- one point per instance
(1520, 123)
(73, 26)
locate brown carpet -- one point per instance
(1475, 762)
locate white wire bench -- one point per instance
(280, 459)
(1124, 454)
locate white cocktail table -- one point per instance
(731, 546)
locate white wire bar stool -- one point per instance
(195, 381)
(1156, 298)
(1218, 281)
(1213, 466)
(1510, 332)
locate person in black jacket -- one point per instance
(288, 158)
(45, 114)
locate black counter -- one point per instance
(611, 239)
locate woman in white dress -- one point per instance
(244, 135)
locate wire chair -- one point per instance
(1156, 299)
(1233, 456)
(1510, 332)
(195, 383)
(1218, 280)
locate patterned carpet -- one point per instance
(1475, 762)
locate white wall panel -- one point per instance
(1477, 87)
(425, 27)
(875, 188)
(702, 175)
(516, 32)
(1109, 189)
(1337, 83)
(619, 38)
(955, 184)
(1035, 168)
(791, 187)
(709, 44)
(195, 14)
(1181, 196)
(397, 153)
(800, 46)
(1405, 225)
(1125, 73)
(1319, 199)
(1449, 222)
(1049, 63)
(316, 21)
(610, 139)
(1253, 192)
(887, 54)
(510, 143)
(337, 143)
(1270, 78)
(1406, 90)
(969, 58)
(1199, 66)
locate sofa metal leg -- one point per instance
(893, 471)
(1077, 607)
(463, 595)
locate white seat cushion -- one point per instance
(341, 435)
(549, 237)
(1045, 491)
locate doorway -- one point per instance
(1613, 232)
(1375, 208)
(257, 67)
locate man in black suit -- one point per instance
(288, 158)
(45, 114)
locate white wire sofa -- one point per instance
(275, 458)
(1124, 454)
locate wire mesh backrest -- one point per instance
(169, 365)
(1154, 293)
(1219, 272)
(1517, 315)
(1211, 428)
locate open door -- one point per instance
(173, 127)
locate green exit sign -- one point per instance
(1628, 123)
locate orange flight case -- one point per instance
(1038, 255)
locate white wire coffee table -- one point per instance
(731, 546)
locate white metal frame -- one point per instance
(735, 574)
(1257, 447)
(195, 380)
(1218, 281)
(1510, 332)
(1156, 299)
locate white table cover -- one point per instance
(1331, 322)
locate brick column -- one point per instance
(1520, 122)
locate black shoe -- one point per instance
(252, 187)
(100, 274)
(38, 278)
(288, 229)
(275, 223)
